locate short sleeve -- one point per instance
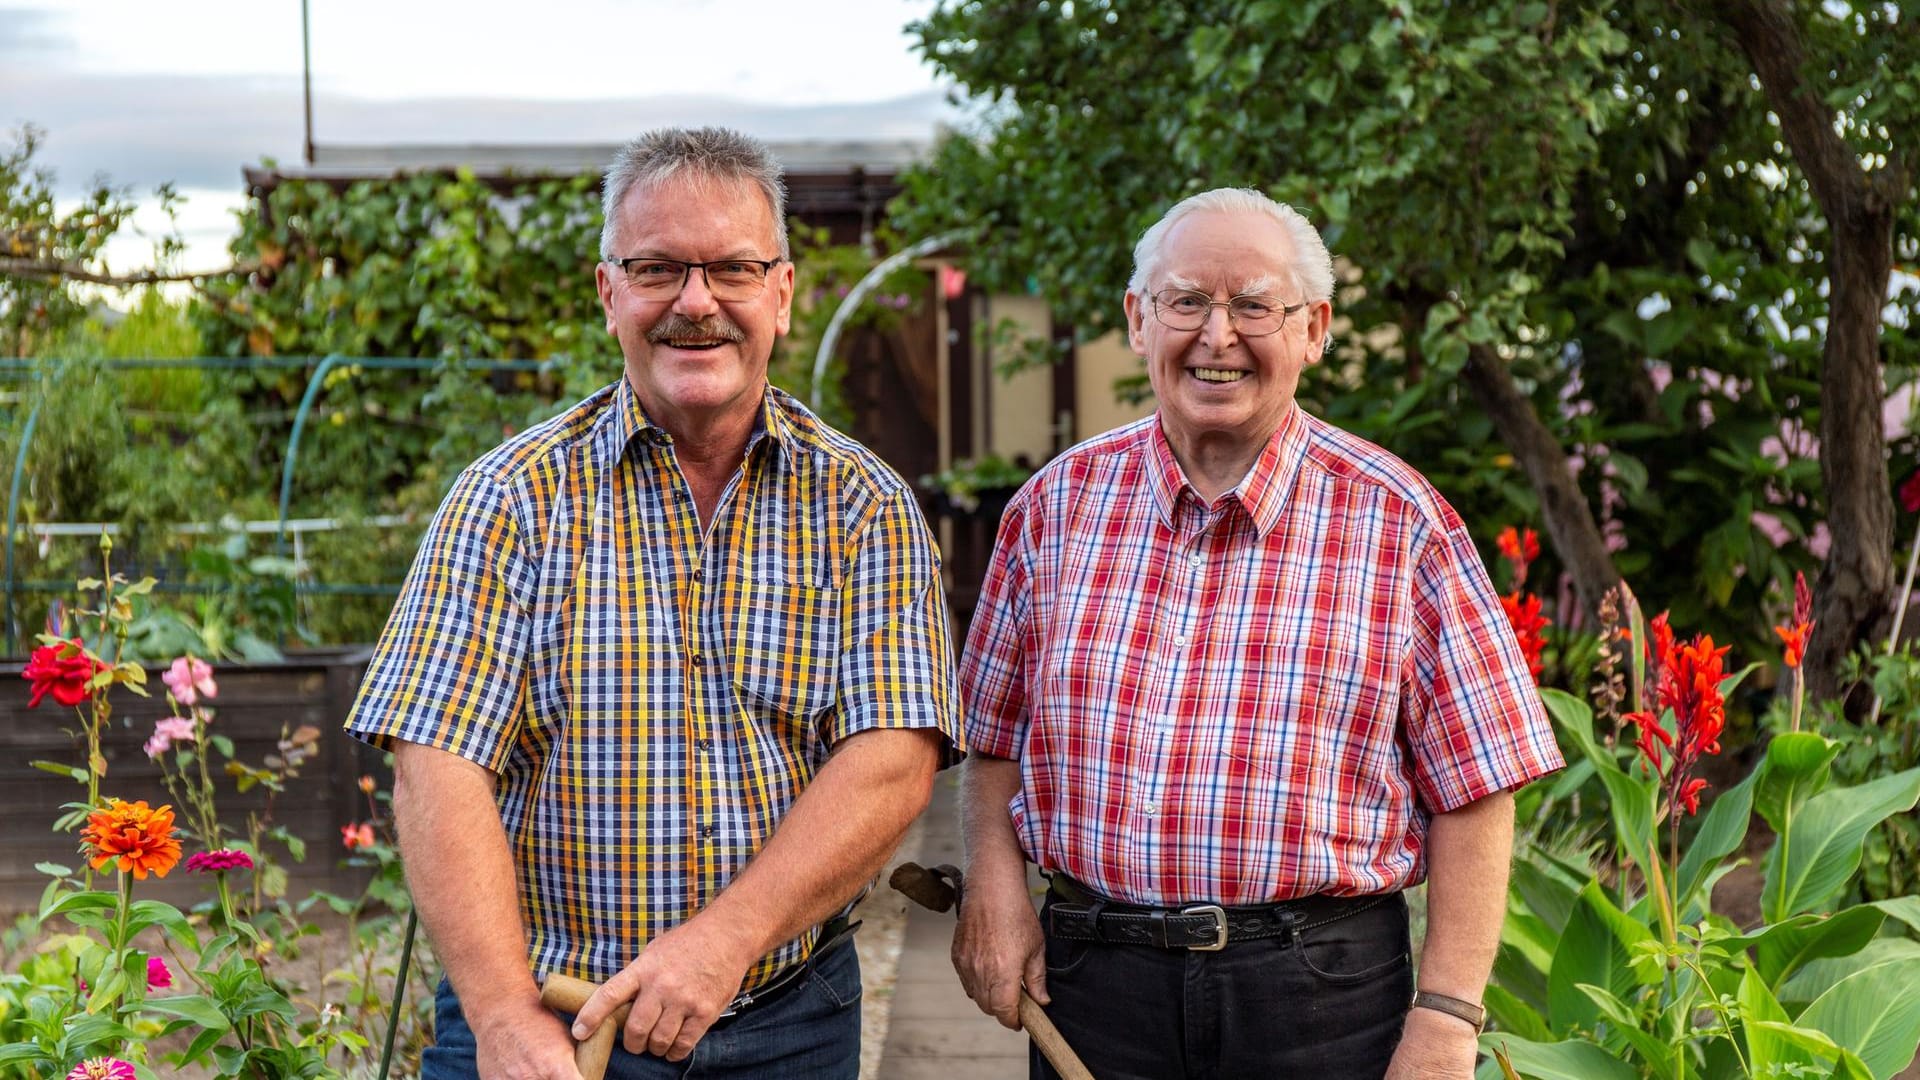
(450, 668)
(896, 659)
(1473, 716)
(993, 667)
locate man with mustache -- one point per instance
(1236, 679)
(670, 677)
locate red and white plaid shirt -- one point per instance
(1249, 702)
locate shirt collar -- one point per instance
(628, 421)
(1262, 493)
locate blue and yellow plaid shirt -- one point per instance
(653, 700)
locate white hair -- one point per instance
(708, 153)
(1311, 266)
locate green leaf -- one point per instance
(1821, 849)
(1515, 1016)
(112, 985)
(1795, 768)
(1767, 1049)
(1722, 830)
(78, 902)
(1654, 1052)
(192, 1007)
(56, 768)
(1817, 977)
(1784, 948)
(1874, 1013)
(145, 913)
(1596, 948)
(1569, 1060)
(53, 870)
(1904, 908)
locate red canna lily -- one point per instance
(1796, 632)
(1519, 547)
(1687, 684)
(1529, 626)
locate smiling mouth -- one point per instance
(1217, 375)
(694, 346)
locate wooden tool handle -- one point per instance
(1048, 1039)
(568, 994)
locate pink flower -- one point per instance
(357, 835)
(190, 678)
(102, 1068)
(168, 731)
(158, 977)
(213, 862)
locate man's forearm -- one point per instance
(833, 839)
(461, 875)
(1468, 854)
(987, 785)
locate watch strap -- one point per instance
(1452, 1006)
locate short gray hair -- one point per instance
(708, 153)
(1311, 266)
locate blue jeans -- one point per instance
(1330, 1006)
(810, 1033)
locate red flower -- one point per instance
(357, 835)
(158, 977)
(1795, 633)
(1529, 626)
(211, 862)
(1519, 547)
(1687, 683)
(1910, 493)
(63, 670)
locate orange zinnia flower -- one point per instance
(1796, 632)
(133, 836)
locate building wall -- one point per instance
(1019, 418)
(1098, 363)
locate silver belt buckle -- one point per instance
(1220, 926)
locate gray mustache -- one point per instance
(679, 326)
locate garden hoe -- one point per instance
(938, 889)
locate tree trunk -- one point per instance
(1569, 520)
(1856, 585)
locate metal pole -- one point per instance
(13, 511)
(306, 78)
(867, 284)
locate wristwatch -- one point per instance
(1452, 1006)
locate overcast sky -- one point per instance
(189, 92)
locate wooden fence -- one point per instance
(257, 704)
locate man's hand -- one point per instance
(998, 946)
(516, 1043)
(678, 986)
(1434, 1046)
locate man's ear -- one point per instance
(603, 284)
(1136, 323)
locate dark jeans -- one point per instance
(810, 1033)
(1328, 1008)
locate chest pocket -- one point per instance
(786, 648)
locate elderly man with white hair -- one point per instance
(1236, 681)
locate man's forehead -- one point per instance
(1256, 284)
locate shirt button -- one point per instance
(705, 745)
(1151, 808)
(1195, 559)
(706, 831)
(1181, 641)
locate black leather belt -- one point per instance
(836, 932)
(1078, 914)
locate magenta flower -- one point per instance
(190, 678)
(210, 862)
(102, 1068)
(158, 977)
(168, 731)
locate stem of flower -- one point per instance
(1799, 694)
(226, 897)
(1899, 613)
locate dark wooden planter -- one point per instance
(257, 702)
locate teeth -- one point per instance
(1216, 375)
